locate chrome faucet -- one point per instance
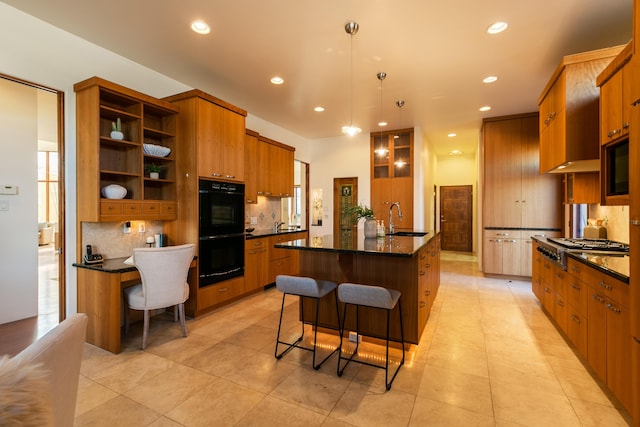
(391, 226)
(276, 225)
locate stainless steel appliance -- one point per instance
(556, 248)
(221, 231)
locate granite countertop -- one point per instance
(266, 232)
(615, 265)
(405, 246)
(113, 265)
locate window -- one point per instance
(48, 186)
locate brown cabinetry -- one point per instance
(392, 167)
(582, 187)
(256, 263)
(275, 163)
(507, 252)
(634, 242)
(283, 261)
(106, 159)
(615, 97)
(569, 113)
(251, 167)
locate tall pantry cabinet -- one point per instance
(518, 201)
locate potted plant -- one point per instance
(360, 211)
(116, 130)
(154, 170)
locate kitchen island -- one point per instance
(409, 264)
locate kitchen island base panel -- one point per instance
(400, 273)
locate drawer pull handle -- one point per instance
(422, 273)
(575, 269)
(225, 289)
(560, 303)
(231, 177)
(613, 308)
(575, 318)
(422, 304)
(576, 287)
(636, 340)
(603, 285)
(598, 298)
(427, 293)
(216, 174)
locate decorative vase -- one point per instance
(370, 231)
(116, 134)
(154, 175)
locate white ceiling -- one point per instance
(435, 54)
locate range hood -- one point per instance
(578, 166)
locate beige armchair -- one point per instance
(164, 284)
(45, 376)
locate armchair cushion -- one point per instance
(24, 397)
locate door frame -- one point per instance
(470, 212)
(62, 277)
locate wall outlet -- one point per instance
(254, 220)
(354, 337)
(141, 228)
(126, 228)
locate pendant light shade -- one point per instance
(352, 29)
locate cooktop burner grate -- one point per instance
(590, 244)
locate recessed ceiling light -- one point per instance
(485, 108)
(497, 27)
(319, 109)
(489, 79)
(200, 27)
(382, 123)
(455, 152)
(277, 80)
(451, 135)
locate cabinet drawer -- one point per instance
(132, 208)
(110, 208)
(220, 292)
(151, 209)
(577, 294)
(128, 209)
(255, 244)
(503, 234)
(577, 330)
(168, 208)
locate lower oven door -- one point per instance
(220, 258)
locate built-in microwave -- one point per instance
(615, 172)
(221, 208)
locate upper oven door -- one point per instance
(221, 208)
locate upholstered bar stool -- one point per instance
(310, 288)
(375, 297)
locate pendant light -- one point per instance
(400, 103)
(382, 150)
(352, 29)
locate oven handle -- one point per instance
(221, 273)
(221, 236)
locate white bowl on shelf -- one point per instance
(114, 191)
(156, 150)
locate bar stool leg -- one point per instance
(290, 346)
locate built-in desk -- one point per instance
(100, 297)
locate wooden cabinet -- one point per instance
(634, 242)
(256, 263)
(514, 191)
(213, 133)
(251, 167)
(104, 160)
(428, 279)
(569, 110)
(582, 187)
(283, 261)
(392, 164)
(275, 163)
(615, 97)
(507, 252)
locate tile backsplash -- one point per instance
(267, 211)
(616, 220)
(107, 238)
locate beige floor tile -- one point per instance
(458, 389)
(91, 395)
(579, 384)
(317, 391)
(428, 412)
(531, 406)
(164, 422)
(537, 376)
(361, 405)
(182, 348)
(116, 412)
(221, 403)
(272, 412)
(95, 359)
(254, 337)
(170, 388)
(459, 357)
(595, 415)
(132, 370)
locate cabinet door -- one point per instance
(380, 195)
(512, 257)
(502, 173)
(634, 235)
(577, 330)
(611, 108)
(492, 257)
(597, 333)
(232, 145)
(251, 169)
(209, 139)
(619, 352)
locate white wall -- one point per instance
(18, 224)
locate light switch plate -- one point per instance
(4, 205)
(254, 220)
(8, 189)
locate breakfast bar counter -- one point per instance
(409, 264)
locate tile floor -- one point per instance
(488, 356)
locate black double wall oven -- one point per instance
(221, 231)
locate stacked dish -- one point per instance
(156, 150)
(114, 191)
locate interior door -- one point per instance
(456, 218)
(345, 195)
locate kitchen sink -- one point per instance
(409, 233)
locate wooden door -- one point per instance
(232, 145)
(209, 139)
(456, 217)
(345, 195)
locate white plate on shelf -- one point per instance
(156, 150)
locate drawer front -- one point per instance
(132, 209)
(110, 208)
(151, 209)
(576, 269)
(503, 234)
(215, 294)
(168, 208)
(613, 288)
(577, 330)
(577, 294)
(253, 244)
